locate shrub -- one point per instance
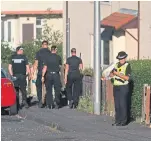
(88, 72)
(6, 52)
(141, 74)
(86, 104)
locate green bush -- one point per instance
(141, 74)
(30, 50)
(6, 52)
(88, 72)
(86, 104)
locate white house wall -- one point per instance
(118, 43)
(145, 29)
(131, 44)
(30, 5)
(16, 27)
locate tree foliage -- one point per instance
(6, 52)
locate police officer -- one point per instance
(19, 68)
(52, 67)
(73, 78)
(120, 77)
(40, 58)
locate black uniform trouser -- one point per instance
(20, 84)
(39, 87)
(53, 79)
(73, 86)
(121, 103)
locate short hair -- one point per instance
(73, 50)
(19, 48)
(44, 42)
(53, 48)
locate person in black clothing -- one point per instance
(52, 67)
(19, 68)
(73, 78)
(42, 55)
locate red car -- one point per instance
(8, 94)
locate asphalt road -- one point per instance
(34, 125)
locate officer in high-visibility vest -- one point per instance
(120, 78)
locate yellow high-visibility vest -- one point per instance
(122, 70)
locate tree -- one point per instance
(54, 37)
(6, 52)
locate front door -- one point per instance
(27, 32)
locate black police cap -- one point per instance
(121, 55)
(19, 48)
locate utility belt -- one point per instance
(19, 74)
(121, 82)
(51, 72)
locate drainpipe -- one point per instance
(138, 53)
(67, 32)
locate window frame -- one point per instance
(2, 31)
(103, 2)
(39, 19)
(9, 35)
(36, 31)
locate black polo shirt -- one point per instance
(42, 55)
(53, 63)
(74, 63)
(18, 63)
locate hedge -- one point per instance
(141, 74)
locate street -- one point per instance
(36, 124)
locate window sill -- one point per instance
(102, 3)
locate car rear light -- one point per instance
(8, 84)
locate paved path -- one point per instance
(69, 125)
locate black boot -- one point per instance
(56, 105)
(40, 105)
(25, 104)
(50, 106)
(71, 104)
(116, 124)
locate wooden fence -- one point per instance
(106, 97)
(108, 100)
(146, 104)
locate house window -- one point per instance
(106, 50)
(38, 21)
(38, 32)
(9, 32)
(2, 30)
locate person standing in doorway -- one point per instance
(42, 55)
(73, 68)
